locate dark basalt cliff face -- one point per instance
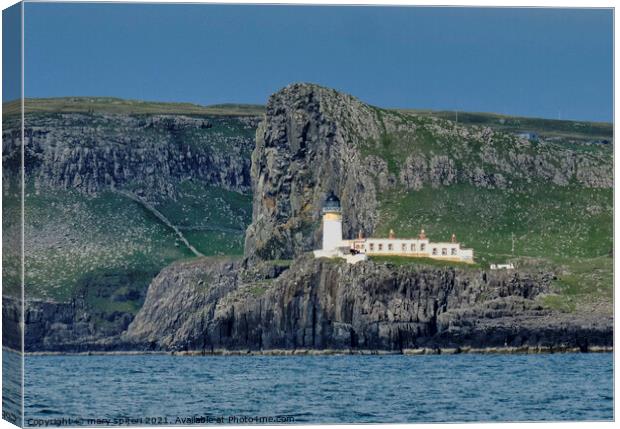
(58, 326)
(325, 304)
(210, 305)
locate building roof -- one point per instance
(332, 201)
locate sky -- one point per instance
(553, 63)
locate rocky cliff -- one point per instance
(111, 198)
(210, 305)
(59, 326)
(305, 148)
(325, 304)
(148, 153)
(311, 140)
(314, 140)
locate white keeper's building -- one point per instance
(360, 248)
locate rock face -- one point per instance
(314, 140)
(216, 304)
(59, 326)
(304, 149)
(323, 304)
(311, 141)
(95, 152)
(147, 155)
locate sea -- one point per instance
(113, 390)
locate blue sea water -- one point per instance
(321, 389)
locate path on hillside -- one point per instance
(159, 215)
(212, 228)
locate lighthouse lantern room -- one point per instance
(332, 223)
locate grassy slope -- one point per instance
(212, 219)
(565, 229)
(70, 236)
(70, 244)
(546, 127)
(108, 248)
(133, 107)
(547, 221)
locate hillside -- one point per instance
(110, 199)
(561, 130)
(554, 129)
(121, 106)
(402, 170)
(116, 188)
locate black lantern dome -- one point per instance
(332, 204)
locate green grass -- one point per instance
(565, 230)
(581, 284)
(201, 206)
(282, 263)
(211, 218)
(70, 236)
(216, 243)
(546, 221)
(131, 107)
(422, 262)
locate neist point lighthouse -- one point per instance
(358, 249)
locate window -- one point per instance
(372, 246)
(434, 250)
(413, 247)
(380, 246)
(444, 252)
(422, 247)
(454, 251)
(403, 247)
(390, 247)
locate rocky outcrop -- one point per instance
(314, 140)
(304, 149)
(209, 305)
(11, 318)
(311, 141)
(503, 158)
(325, 304)
(148, 153)
(60, 326)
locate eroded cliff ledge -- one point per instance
(327, 304)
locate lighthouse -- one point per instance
(333, 244)
(332, 223)
(357, 250)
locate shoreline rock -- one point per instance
(321, 305)
(307, 352)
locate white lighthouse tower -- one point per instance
(332, 224)
(333, 244)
